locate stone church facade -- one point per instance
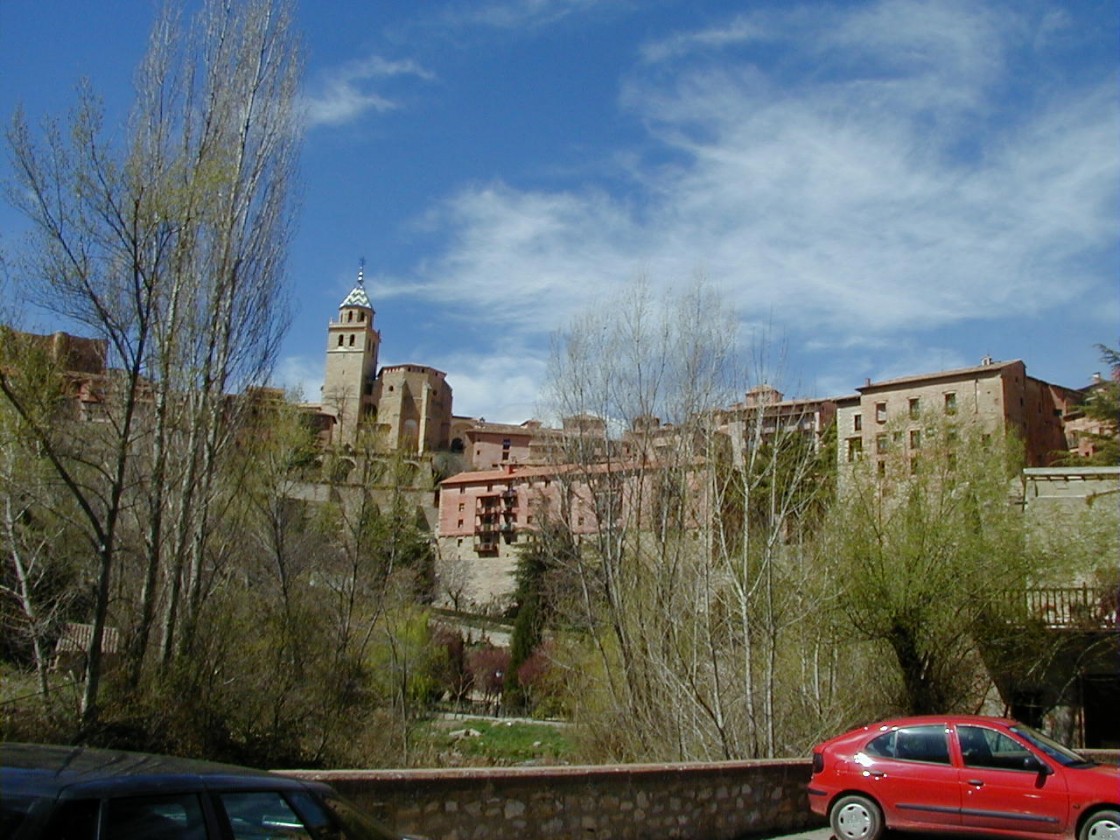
(399, 407)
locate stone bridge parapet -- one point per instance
(714, 801)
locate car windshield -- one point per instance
(1059, 752)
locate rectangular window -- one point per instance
(881, 412)
(158, 815)
(855, 448)
(951, 403)
(915, 408)
(881, 445)
(915, 439)
(857, 422)
(462, 507)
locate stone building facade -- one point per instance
(400, 407)
(412, 408)
(886, 416)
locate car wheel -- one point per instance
(858, 818)
(1103, 825)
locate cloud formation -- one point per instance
(353, 89)
(877, 166)
(885, 187)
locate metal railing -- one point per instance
(1069, 607)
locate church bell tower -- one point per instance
(351, 366)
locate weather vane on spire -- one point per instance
(362, 272)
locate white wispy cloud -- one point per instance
(739, 30)
(883, 186)
(354, 88)
(526, 14)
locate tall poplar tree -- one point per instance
(169, 244)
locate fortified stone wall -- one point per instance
(718, 801)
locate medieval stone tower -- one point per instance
(351, 369)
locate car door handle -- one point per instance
(976, 782)
(876, 774)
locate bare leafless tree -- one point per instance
(689, 525)
(170, 246)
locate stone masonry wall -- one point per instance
(718, 801)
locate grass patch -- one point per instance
(496, 742)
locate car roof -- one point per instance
(916, 720)
(44, 770)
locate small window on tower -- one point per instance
(340, 341)
(351, 341)
(361, 316)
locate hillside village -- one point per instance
(475, 515)
(484, 489)
(480, 512)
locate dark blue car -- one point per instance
(74, 793)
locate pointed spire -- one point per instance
(358, 296)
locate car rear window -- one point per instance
(262, 815)
(912, 743)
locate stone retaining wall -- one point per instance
(718, 801)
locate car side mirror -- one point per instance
(1036, 764)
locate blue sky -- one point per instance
(883, 188)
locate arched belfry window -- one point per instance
(351, 340)
(340, 341)
(349, 316)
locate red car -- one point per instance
(961, 774)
